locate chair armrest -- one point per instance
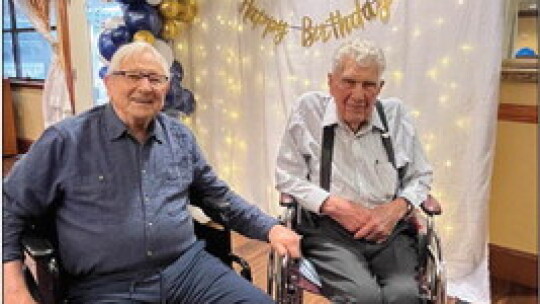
(286, 200)
(431, 206)
(37, 247)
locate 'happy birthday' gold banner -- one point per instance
(336, 26)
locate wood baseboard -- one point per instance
(518, 113)
(513, 265)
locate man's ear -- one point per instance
(381, 85)
(328, 79)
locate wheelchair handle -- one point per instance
(431, 206)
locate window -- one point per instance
(98, 14)
(26, 54)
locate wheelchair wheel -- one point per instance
(282, 280)
(433, 281)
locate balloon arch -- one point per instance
(156, 22)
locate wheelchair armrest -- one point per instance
(37, 247)
(431, 206)
(245, 270)
(286, 200)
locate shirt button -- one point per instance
(150, 224)
(143, 171)
(149, 253)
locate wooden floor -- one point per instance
(256, 253)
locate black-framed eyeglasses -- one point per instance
(136, 76)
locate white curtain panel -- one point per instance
(443, 60)
(55, 99)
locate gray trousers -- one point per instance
(360, 271)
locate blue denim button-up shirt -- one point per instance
(119, 206)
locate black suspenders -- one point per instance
(328, 148)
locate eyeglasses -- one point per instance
(136, 76)
(367, 85)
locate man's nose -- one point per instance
(145, 84)
(358, 91)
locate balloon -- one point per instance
(171, 29)
(177, 71)
(165, 50)
(188, 102)
(105, 45)
(130, 1)
(142, 17)
(113, 23)
(169, 8)
(153, 2)
(103, 71)
(187, 12)
(144, 36)
(120, 35)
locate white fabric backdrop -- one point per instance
(444, 61)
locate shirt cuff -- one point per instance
(313, 200)
(413, 198)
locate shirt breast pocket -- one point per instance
(89, 198)
(387, 179)
(179, 174)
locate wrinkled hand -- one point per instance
(371, 224)
(15, 291)
(19, 298)
(348, 214)
(382, 221)
(285, 241)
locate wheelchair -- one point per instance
(46, 277)
(286, 285)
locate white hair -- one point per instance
(136, 48)
(364, 52)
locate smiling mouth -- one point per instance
(143, 101)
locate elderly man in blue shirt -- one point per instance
(117, 180)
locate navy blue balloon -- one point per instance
(525, 52)
(103, 71)
(131, 1)
(120, 35)
(105, 45)
(177, 71)
(142, 17)
(187, 102)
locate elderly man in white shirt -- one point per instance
(354, 227)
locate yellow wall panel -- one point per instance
(513, 205)
(28, 112)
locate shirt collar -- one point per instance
(331, 118)
(116, 127)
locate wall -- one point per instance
(513, 206)
(28, 113)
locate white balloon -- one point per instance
(153, 2)
(164, 49)
(113, 23)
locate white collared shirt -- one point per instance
(361, 171)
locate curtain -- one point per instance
(443, 60)
(55, 101)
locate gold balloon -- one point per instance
(169, 9)
(171, 29)
(144, 36)
(188, 12)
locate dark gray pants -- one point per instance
(359, 271)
